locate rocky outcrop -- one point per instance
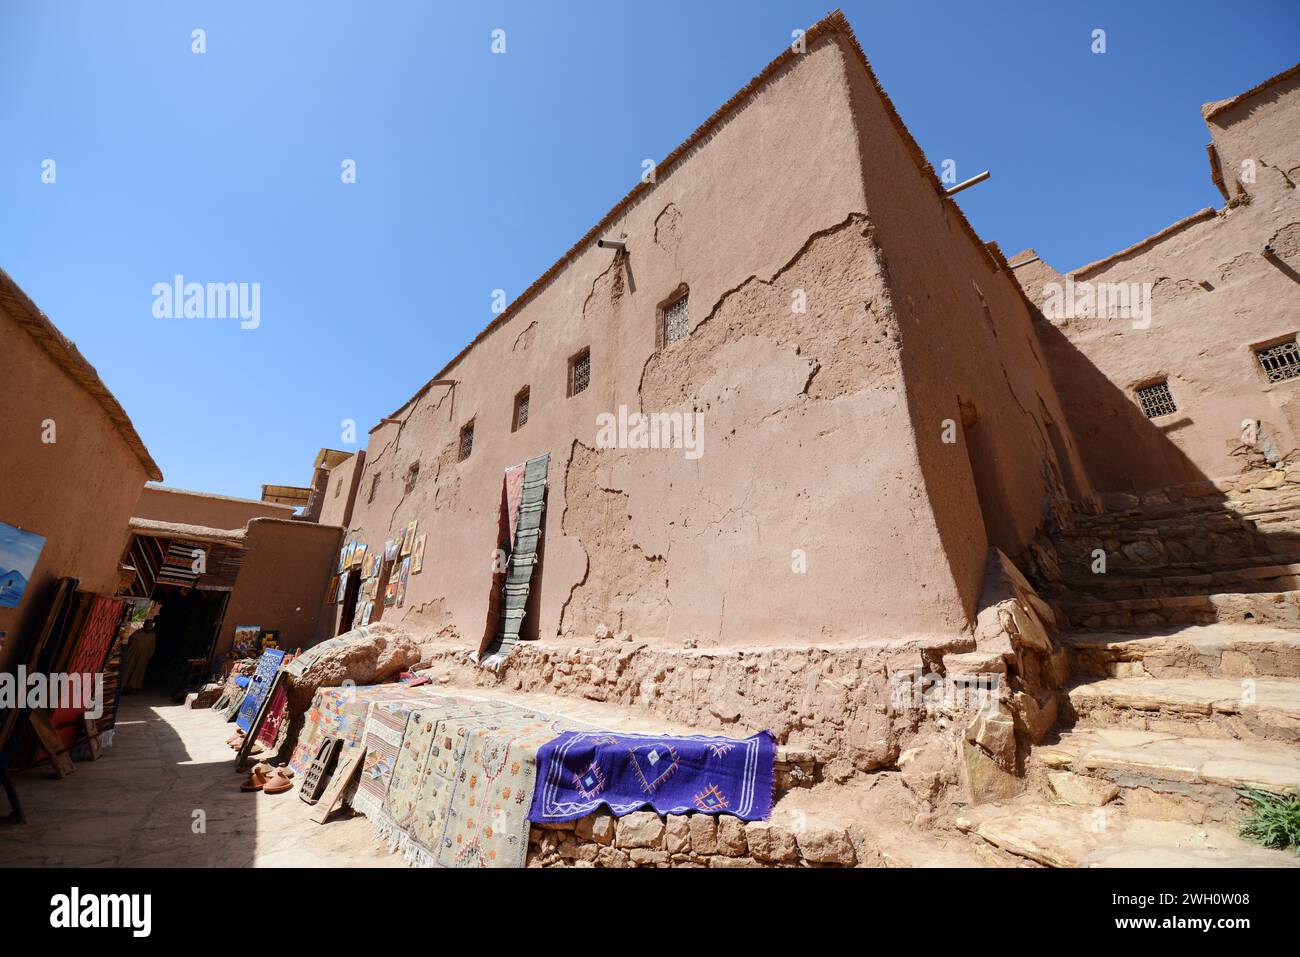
(363, 656)
(1016, 625)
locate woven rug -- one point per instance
(485, 821)
(525, 531)
(409, 769)
(454, 761)
(93, 646)
(258, 688)
(177, 566)
(146, 556)
(580, 771)
(269, 732)
(386, 723)
(342, 713)
(385, 726)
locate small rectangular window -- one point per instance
(579, 372)
(374, 486)
(1156, 399)
(466, 440)
(675, 324)
(521, 410)
(1280, 361)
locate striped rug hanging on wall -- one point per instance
(526, 532)
(178, 566)
(146, 556)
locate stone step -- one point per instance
(1165, 776)
(1280, 609)
(1063, 836)
(1175, 501)
(1218, 651)
(1198, 530)
(1261, 482)
(1245, 564)
(1138, 547)
(1246, 509)
(1244, 708)
(1165, 581)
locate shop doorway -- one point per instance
(187, 622)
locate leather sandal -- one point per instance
(277, 783)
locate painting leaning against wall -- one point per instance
(19, 551)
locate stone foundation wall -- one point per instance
(645, 839)
(833, 701)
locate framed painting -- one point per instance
(19, 551)
(408, 540)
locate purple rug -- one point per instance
(581, 771)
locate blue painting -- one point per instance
(19, 551)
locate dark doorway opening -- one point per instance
(187, 623)
(349, 608)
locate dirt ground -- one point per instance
(166, 795)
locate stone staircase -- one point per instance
(1175, 558)
(1142, 769)
(1184, 686)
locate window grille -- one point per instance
(466, 441)
(580, 372)
(676, 326)
(521, 411)
(1156, 399)
(1280, 362)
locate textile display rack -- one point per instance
(78, 637)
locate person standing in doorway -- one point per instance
(135, 661)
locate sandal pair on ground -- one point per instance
(269, 780)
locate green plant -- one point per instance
(1274, 819)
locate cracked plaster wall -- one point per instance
(807, 440)
(810, 449)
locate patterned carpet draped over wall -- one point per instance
(451, 780)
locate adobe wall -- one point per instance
(970, 360)
(1262, 128)
(286, 569)
(341, 491)
(1214, 295)
(78, 491)
(808, 455)
(198, 508)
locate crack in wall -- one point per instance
(849, 222)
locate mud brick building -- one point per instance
(875, 406)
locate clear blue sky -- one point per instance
(476, 171)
